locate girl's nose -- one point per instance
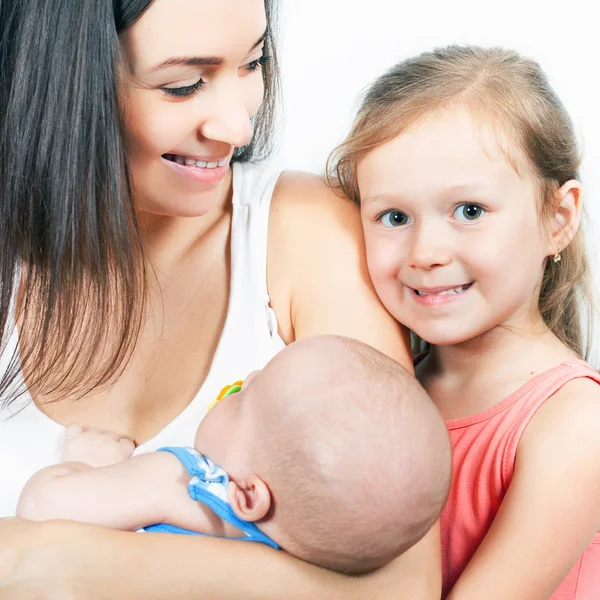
(429, 249)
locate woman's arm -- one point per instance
(552, 509)
(318, 283)
(317, 270)
(71, 561)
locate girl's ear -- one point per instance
(250, 500)
(565, 221)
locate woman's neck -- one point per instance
(166, 237)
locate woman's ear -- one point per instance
(250, 500)
(566, 218)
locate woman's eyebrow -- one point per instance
(200, 60)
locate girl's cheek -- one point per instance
(383, 267)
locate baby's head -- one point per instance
(466, 167)
(335, 451)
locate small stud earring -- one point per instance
(556, 258)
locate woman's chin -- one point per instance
(186, 208)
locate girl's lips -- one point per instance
(434, 298)
(204, 175)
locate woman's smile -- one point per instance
(209, 171)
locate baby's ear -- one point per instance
(250, 501)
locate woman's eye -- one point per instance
(468, 212)
(255, 65)
(184, 91)
(394, 218)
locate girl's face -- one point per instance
(194, 83)
(455, 246)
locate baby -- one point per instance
(332, 452)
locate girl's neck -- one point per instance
(525, 344)
(468, 378)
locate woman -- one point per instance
(145, 263)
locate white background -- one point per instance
(332, 49)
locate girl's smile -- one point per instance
(439, 296)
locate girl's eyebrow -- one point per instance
(383, 198)
(453, 192)
(468, 192)
(200, 60)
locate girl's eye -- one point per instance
(185, 91)
(468, 212)
(255, 65)
(394, 218)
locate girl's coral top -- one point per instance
(485, 447)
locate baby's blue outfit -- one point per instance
(209, 486)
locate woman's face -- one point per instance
(194, 83)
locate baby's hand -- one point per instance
(95, 447)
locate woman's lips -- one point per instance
(207, 172)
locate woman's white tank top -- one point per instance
(29, 440)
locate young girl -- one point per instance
(465, 166)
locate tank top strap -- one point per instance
(532, 396)
(250, 337)
(253, 187)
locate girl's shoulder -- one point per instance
(570, 416)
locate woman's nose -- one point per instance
(228, 119)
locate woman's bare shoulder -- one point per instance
(306, 193)
(317, 269)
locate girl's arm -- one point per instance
(551, 511)
(318, 283)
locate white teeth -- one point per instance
(448, 292)
(202, 164)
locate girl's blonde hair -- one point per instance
(514, 96)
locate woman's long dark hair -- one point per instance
(71, 248)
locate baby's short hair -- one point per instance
(356, 455)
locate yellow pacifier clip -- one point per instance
(234, 388)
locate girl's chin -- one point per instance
(442, 338)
